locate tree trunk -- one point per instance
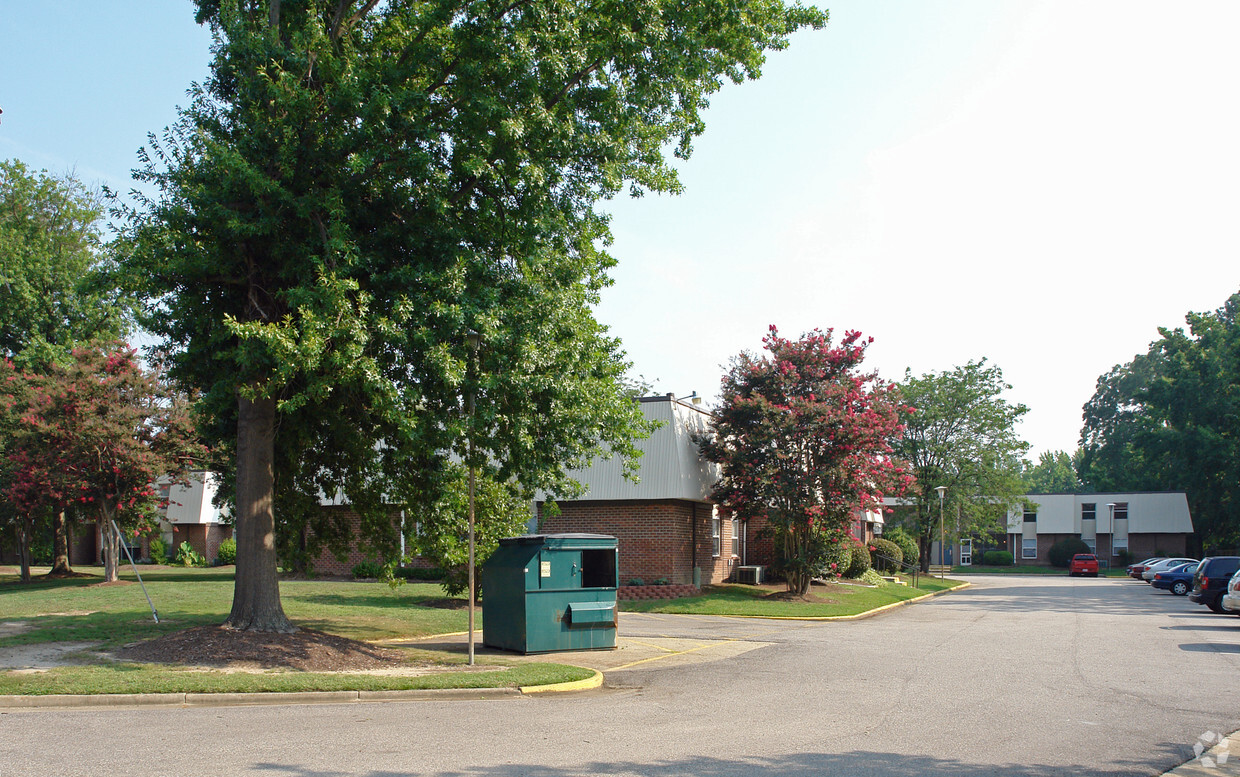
(25, 535)
(256, 589)
(111, 547)
(924, 545)
(60, 545)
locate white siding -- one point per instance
(192, 502)
(1148, 513)
(670, 466)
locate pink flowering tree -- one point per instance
(96, 435)
(803, 437)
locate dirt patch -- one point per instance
(12, 628)
(305, 650)
(44, 655)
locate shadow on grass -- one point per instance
(402, 602)
(872, 764)
(108, 628)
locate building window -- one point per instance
(1092, 542)
(1119, 546)
(1031, 516)
(1029, 547)
(736, 538)
(1089, 511)
(1121, 511)
(714, 533)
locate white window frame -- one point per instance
(715, 531)
(1118, 545)
(736, 538)
(1025, 547)
(1092, 543)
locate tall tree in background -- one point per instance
(803, 440)
(361, 189)
(98, 434)
(962, 435)
(50, 300)
(1055, 473)
(1170, 420)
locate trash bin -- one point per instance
(544, 592)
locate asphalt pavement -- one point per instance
(1014, 676)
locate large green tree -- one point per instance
(1054, 473)
(362, 189)
(961, 433)
(803, 439)
(1169, 420)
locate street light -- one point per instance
(474, 340)
(942, 490)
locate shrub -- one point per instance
(887, 555)
(906, 542)
(835, 549)
(661, 581)
(227, 553)
(997, 558)
(188, 557)
(157, 550)
(1063, 551)
(1125, 557)
(859, 563)
(873, 578)
(364, 570)
(637, 581)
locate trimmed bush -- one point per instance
(419, 573)
(188, 557)
(1063, 551)
(997, 558)
(887, 556)
(859, 563)
(907, 543)
(157, 550)
(227, 553)
(364, 570)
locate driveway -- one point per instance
(1021, 676)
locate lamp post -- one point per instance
(474, 340)
(1110, 527)
(942, 490)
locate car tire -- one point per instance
(1217, 606)
(1179, 588)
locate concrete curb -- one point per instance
(1207, 764)
(67, 701)
(855, 617)
(588, 684)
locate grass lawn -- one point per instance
(82, 610)
(735, 599)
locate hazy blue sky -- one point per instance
(1039, 183)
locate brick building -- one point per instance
(1142, 523)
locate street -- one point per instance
(1013, 676)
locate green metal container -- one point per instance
(545, 592)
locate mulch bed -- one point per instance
(305, 650)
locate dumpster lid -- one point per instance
(552, 539)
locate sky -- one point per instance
(1040, 184)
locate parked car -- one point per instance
(1083, 564)
(1231, 599)
(1210, 581)
(1162, 566)
(1135, 570)
(1178, 580)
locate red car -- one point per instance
(1083, 564)
(1135, 570)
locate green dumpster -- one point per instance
(544, 592)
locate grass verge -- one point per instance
(734, 599)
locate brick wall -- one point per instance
(656, 538)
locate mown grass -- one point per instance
(733, 599)
(141, 678)
(81, 610)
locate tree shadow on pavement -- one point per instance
(853, 764)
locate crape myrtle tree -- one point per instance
(1167, 420)
(803, 439)
(96, 435)
(50, 299)
(960, 432)
(361, 188)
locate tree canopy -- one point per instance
(1168, 420)
(1054, 473)
(361, 189)
(803, 439)
(961, 433)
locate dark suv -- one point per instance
(1210, 582)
